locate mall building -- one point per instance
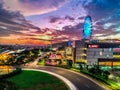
(92, 52)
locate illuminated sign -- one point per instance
(73, 44)
(69, 43)
(69, 51)
(105, 63)
(58, 56)
(116, 56)
(116, 49)
(93, 46)
(52, 56)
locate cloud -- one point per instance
(69, 18)
(54, 19)
(66, 22)
(81, 18)
(13, 22)
(33, 7)
(108, 25)
(4, 33)
(105, 15)
(57, 19)
(68, 32)
(105, 34)
(73, 32)
(100, 9)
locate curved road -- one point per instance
(80, 81)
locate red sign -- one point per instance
(93, 46)
(116, 49)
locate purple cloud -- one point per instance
(55, 19)
(33, 7)
(13, 22)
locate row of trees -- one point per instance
(97, 71)
(12, 60)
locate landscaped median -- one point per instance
(34, 80)
(102, 77)
(109, 83)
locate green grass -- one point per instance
(34, 80)
(42, 62)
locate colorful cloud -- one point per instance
(40, 21)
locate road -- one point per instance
(81, 82)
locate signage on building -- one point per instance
(58, 56)
(69, 50)
(69, 43)
(73, 44)
(116, 49)
(116, 56)
(93, 46)
(55, 56)
(52, 56)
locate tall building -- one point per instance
(87, 28)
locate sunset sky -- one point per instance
(40, 21)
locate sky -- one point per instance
(40, 22)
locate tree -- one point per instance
(118, 79)
(106, 74)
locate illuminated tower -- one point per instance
(87, 28)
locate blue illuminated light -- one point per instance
(87, 28)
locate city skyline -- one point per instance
(42, 21)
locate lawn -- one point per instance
(34, 80)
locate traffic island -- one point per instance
(34, 80)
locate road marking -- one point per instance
(88, 77)
(70, 84)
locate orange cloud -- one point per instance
(24, 41)
(16, 39)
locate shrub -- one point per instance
(7, 85)
(11, 74)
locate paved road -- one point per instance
(81, 82)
